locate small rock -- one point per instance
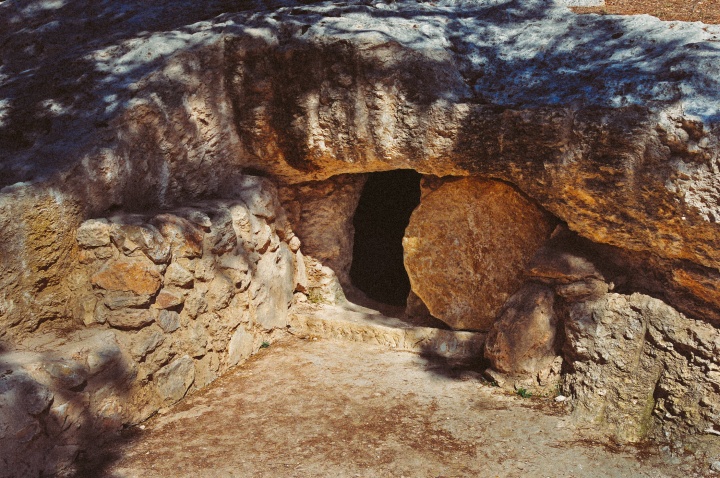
(195, 303)
(220, 292)
(168, 320)
(104, 352)
(19, 389)
(205, 269)
(185, 237)
(115, 300)
(86, 310)
(589, 289)
(174, 380)
(94, 233)
(168, 298)
(68, 375)
(241, 346)
(715, 466)
(560, 398)
(294, 244)
(197, 340)
(198, 217)
(222, 238)
(129, 318)
(146, 341)
(178, 276)
(139, 276)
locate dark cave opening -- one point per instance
(382, 215)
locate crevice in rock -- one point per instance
(387, 201)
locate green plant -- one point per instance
(264, 345)
(523, 393)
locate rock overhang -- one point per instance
(610, 123)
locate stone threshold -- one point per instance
(359, 324)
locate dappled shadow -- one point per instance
(49, 423)
(67, 65)
(51, 76)
(69, 68)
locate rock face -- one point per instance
(641, 368)
(619, 141)
(466, 247)
(601, 144)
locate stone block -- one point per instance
(274, 284)
(66, 374)
(169, 297)
(220, 292)
(168, 320)
(94, 233)
(146, 238)
(222, 238)
(135, 275)
(129, 318)
(115, 300)
(146, 341)
(522, 343)
(186, 238)
(177, 275)
(174, 379)
(241, 346)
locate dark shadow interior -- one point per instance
(380, 220)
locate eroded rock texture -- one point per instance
(524, 342)
(135, 110)
(167, 302)
(467, 245)
(619, 142)
(639, 367)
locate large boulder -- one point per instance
(467, 245)
(523, 344)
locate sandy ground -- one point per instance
(320, 408)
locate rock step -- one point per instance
(358, 324)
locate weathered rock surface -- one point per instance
(641, 368)
(466, 247)
(144, 109)
(174, 380)
(626, 155)
(53, 401)
(154, 329)
(321, 213)
(523, 343)
(129, 275)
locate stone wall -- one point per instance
(169, 301)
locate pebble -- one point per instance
(715, 466)
(560, 398)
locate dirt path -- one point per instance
(320, 408)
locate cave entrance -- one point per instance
(382, 214)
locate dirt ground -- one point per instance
(321, 408)
(706, 11)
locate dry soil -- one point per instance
(321, 408)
